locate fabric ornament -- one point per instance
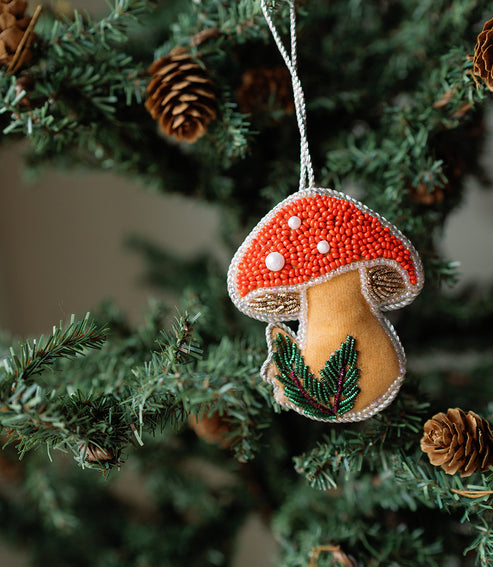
(329, 262)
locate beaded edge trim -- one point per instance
(404, 299)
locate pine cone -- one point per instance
(483, 54)
(458, 442)
(13, 24)
(181, 97)
(338, 556)
(265, 89)
(26, 84)
(213, 429)
(94, 454)
(422, 194)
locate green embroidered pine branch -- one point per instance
(341, 373)
(327, 398)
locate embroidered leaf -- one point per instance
(325, 398)
(341, 373)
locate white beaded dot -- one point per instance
(294, 222)
(274, 261)
(323, 247)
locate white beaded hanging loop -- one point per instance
(306, 169)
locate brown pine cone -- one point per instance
(13, 24)
(338, 556)
(94, 454)
(266, 89)
(26, 84)
(181, 97)
(423, 195)
(458, 442)
(483, 54)
(211, 428)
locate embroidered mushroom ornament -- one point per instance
(324, 259)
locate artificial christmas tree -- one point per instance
(396, 119)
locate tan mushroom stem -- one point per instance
(336, 309)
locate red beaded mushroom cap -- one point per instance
(312, 236)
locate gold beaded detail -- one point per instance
(384, 283)
(280, 303)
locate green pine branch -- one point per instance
(451, 493)
(231, 21)
(111, 397)
(32, 358)
(365, 446)
(482, 544)
(361, 521)
(30, 411)
(446, 100)
(83, 77)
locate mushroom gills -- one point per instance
(278, 303)
(384, 283)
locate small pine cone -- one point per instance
(266, 89)
(94, 454)
(211, 428)
(181, 97)
(338, 555)
(423, 195)
(344, 559)
(458, 442)
(13, 24)
(26, 84)
(483, 54)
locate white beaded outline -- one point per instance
(411, 291)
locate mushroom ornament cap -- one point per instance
(333, 233)
(330, 262)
